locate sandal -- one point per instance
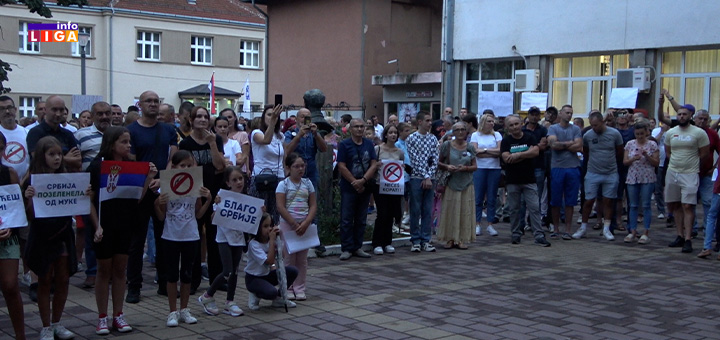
(461, 246)
(449, 245)
(566, 237)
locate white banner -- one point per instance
(12, 207)
(392, 180)
(181, 182)
(623, 98)
(238, 212)
(530, 99)
(500, 102)
(294, 242)
(61, 194)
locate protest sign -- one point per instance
(238, 212)
(294, 242)
(181, 182)
(392, 178)
(623, 98)
(530, 99)
(500, 102)
(61, 194)
(12, 207)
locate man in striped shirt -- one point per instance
(90, 138)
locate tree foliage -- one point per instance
(35, 6)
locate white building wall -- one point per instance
(44, 74)
(488, 28)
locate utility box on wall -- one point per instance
(634, 77)
(527, 80)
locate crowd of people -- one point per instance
(462, 177)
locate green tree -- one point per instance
(35, 6)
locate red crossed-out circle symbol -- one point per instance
(15, 153)
(181, 183)
(392, 172)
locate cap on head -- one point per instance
(534, 110)
(689, 107)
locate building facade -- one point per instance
(578, 48)
(165, 46)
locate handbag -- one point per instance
(441, 176)
(266, 181)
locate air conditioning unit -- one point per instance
(527, 80)
(634, 77)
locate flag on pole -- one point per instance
(122, 179)
(211, 87)
(246, 103)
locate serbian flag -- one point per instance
(211, 87)
(122, 179)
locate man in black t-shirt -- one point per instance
(518, 152)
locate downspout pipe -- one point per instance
(448, 54)
(267, 48)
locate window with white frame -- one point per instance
(494, 76)
(692, 77)
(148, 46)
(27, 46)
(201, 50)
(585, 82)
(249, 53)
(26, 106)
(75, 47)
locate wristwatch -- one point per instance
(485, 150)
(671, 98)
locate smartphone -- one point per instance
(307, 121)
(278, 99)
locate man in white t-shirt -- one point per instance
(16, 155)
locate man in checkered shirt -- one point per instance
(423, 149)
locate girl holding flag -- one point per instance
(119, 186)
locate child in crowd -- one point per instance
(260, 278)
(230, 245)
(50, 248)
(181, 238)
(10, 258)
(111, 239)
(296, 203)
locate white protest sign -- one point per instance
(392, 178)
(334, 158)
(623, 98)
(500, 102)
(61, 194)
(294, 242)
(530, 99)
(181, 182)
(12, 207)
(238, 212)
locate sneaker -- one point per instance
(630, 238)
(515, 240)
(120, 324)
(705, 253)
(172, 319)
(204, 272)
(300, 296)
(232, 309)
(133, 296)
(406, 219)
(551, 227)
(542, 242)
(378, 250)
(580, 233)
(679, 242)
(608, 235)
(554, 236)
(579, 220)
(102, 327)
(661, 216)
(478, 230)
(280, 303)
(428, 247)
(362, 254)
(254, 301)
(415, 248)
(208, 304)
(687, 247)
(186, 317)
(390, 249)
(345, 255)
(26, 279)
(491, 231)
(47, 334)
(61, 332)
(566, 237)
(644, 239)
